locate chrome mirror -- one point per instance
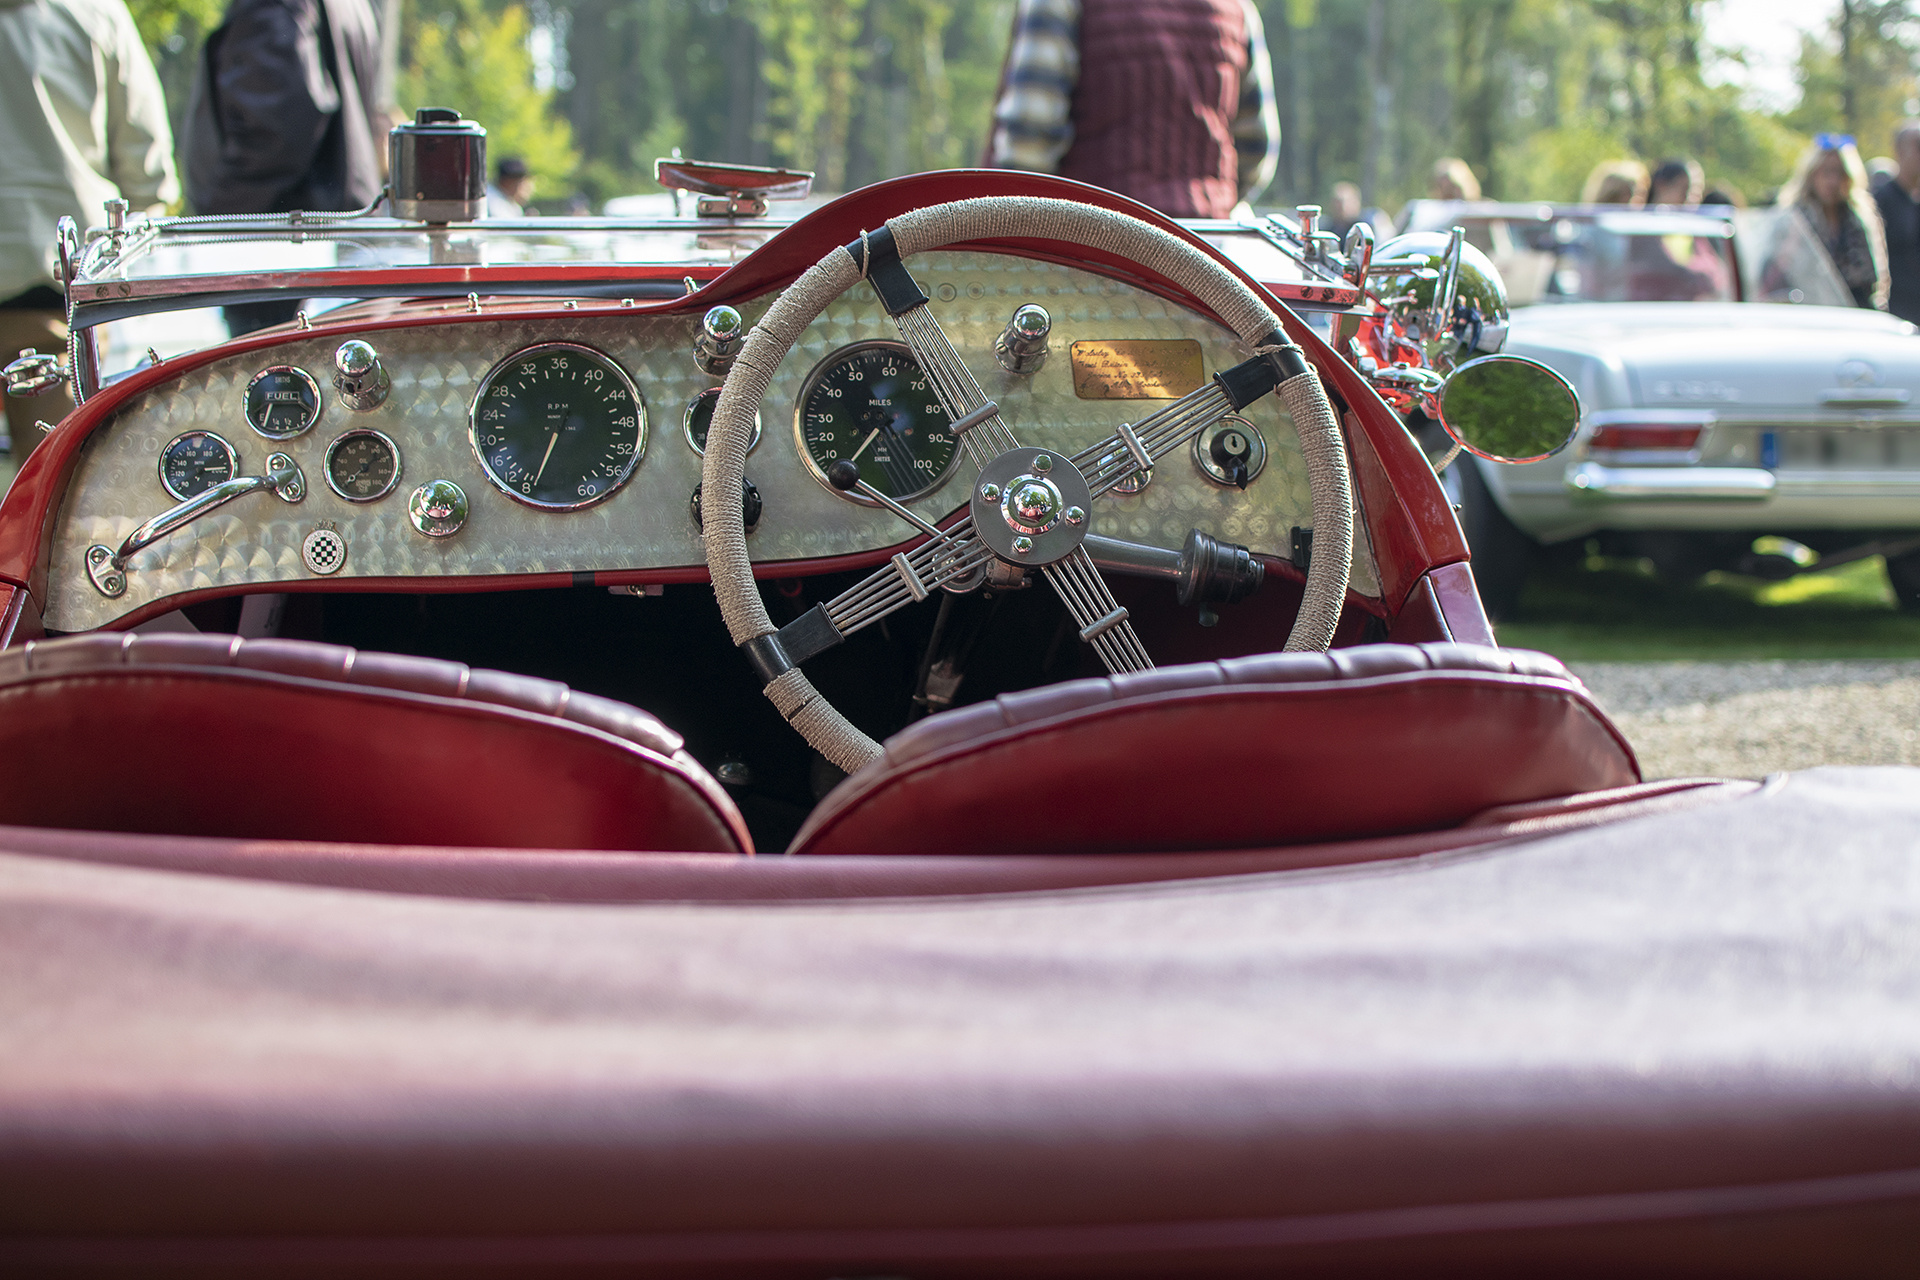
(731, 190)
(1509, 409)
(1444, 299)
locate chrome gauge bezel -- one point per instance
(593, 353)
(686, 422)
(393, 482)
(319, 402)
(814, 376)
(233, 461)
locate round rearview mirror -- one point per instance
(1509, 409)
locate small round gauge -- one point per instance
(194, 462)
(700, 417)
(282, 401)
(558, 426)
(870, 404)
(362, 465)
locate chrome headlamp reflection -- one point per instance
(1410, 275)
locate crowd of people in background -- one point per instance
(1169, 101)
(1865, 215)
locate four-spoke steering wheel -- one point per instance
(1029, 506)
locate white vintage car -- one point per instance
(1712, 419)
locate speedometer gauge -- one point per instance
(871, 405)
(558, 426)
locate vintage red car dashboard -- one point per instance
(1116, 329)
(431, 420)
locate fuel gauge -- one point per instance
(194, 462)
(362, 466)
(282, 402)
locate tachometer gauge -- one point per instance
(282, 402)
(362, 466)
(194, 462)
(700, 420)
(871, 405)
(558, 426)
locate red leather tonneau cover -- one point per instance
(1686, 1043)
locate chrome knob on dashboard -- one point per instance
(722, 331)
(1021, 347)
(359, 377)
(438, 508)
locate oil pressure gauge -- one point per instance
(363, 466)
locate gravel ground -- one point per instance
(1749, 719)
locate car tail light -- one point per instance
(1649, 437)
(1639, 437)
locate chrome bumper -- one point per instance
(1672, 484)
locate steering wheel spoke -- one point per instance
(1103, 623)
(1134, 449)
(909, 577)
(976, 419)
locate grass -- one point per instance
(1609, 610)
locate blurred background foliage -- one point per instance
(1532, 93)
(465, 54)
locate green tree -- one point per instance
(812, 61)
(1858, 77)
(459, 54)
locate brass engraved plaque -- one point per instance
(1137, 369)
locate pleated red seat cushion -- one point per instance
(1274, 749)
(220, 736)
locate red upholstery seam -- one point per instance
(717, 811)
(947, 756)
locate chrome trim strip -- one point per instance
(1671, 484)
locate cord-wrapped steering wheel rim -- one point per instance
(998, 218)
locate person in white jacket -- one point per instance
(82, 121)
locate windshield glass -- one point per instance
(1548, 254)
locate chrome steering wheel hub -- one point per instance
(1030, 506)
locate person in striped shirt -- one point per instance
(1168, 101)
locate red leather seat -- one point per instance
(212, 735)
(1275, 749)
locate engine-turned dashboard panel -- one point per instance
(506, 444)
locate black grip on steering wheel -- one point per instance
(775, 654)
(879, 261)
(1248, 380)
(1287, 357)
(767, 656)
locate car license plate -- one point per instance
(1841, 450)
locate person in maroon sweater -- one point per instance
(1168, 101)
